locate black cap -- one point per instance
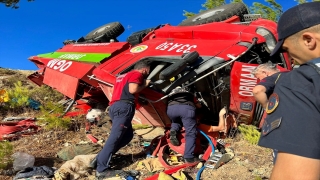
(296, 19)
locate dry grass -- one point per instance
(250, 161)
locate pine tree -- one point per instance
(12, 3)
(272, 10)
(305, 1)
(18, 96)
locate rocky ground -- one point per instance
(249, 161)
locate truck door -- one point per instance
(242, 100)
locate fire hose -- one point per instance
(212, 147)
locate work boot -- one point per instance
(192, 160)
(93, 163)
(111, 173)
(173, 138)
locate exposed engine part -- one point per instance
(257, 58)
(201, 99)
(221, 84)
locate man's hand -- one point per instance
(135, 88)
(148, 82)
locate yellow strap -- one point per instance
(277, 78)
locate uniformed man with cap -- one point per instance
(293, 122)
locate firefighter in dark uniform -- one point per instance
(121, 111)
(268, 74)
(181, 110)
(292, 125)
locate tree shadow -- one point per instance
(50, 161)
(120, 161)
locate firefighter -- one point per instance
(268, 75)
(181, 110)
(292, 124)
(122, 108)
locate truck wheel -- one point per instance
(105, 33)
(136, 37)
(217, 14)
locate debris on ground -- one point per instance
(13, 130)
(150, 133)
(76, 168)
(42, 172)
(69, 152)
(22, 161)
(248, 161)
(150, 164)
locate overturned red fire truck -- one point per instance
(212, 52)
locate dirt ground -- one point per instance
(249, 162)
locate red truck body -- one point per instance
(221, 75)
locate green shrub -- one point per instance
(250, 133)
(51, 116)
(18, 96)
(6, 150)
(20, 93)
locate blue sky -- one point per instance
(41, 26)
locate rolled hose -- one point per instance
(212, 147)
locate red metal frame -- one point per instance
(220, 40)
(217, 39)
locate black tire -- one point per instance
(136, 37)
(172, 70)
(105, 33)
(191, 57)
(217, 14)
(177, 67)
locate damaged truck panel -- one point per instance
(223, 54)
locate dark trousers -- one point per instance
(121, 114)
(185, 115)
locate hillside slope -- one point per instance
(249, 162)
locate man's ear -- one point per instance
(309, 40)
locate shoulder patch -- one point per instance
(273, 103)
(270, 126)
